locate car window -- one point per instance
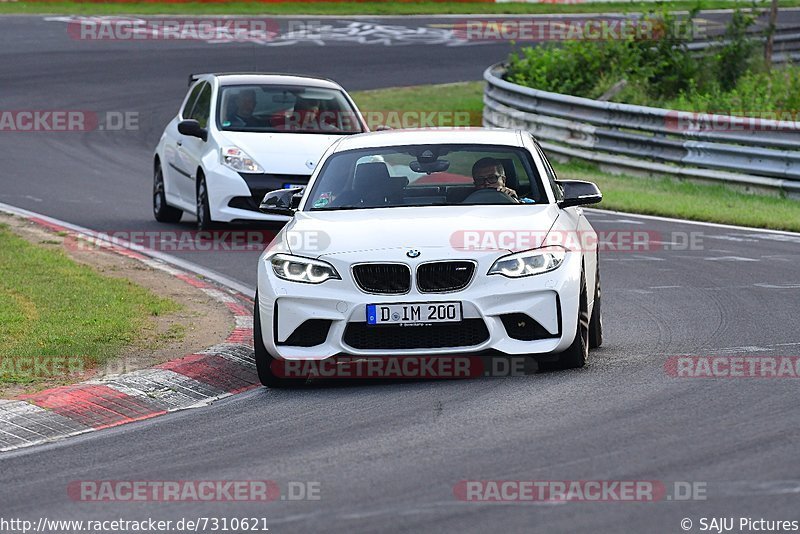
(202, 107)
(420, 175)
(187, 109)
(282, 108)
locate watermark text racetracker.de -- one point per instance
(555, 491)
(399, 367)
(610, 240)
(250, 240)
(193, 490)
(606, 28)
(413, 367)
(67, 120)
(179, 29)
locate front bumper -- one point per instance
(235, 197)
(295, 314)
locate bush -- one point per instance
(661, 71)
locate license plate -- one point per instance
(293, 186)
(420, 313)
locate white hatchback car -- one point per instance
(429, 242)
(239, 136)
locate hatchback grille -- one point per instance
(444, 276)
(467, 333)
(384, 278)
(250, 203)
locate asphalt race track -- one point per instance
(388, 455)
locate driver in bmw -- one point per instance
(488, 173)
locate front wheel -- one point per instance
(204, 222)
(161, 210)
(577, 353)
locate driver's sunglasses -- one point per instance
(490, 178)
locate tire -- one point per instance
(577, 353)
(204, 222)
(264, 361)
(163, 212)
(596, 322)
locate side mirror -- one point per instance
(282, 201)
(579, 193)
(192, 128)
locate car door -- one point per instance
(174, 168)
(190, 149)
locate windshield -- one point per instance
(281, 108)
(425, 175)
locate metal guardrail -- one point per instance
(646, 140)
(786, 43)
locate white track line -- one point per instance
(698, 223)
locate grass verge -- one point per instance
(685, 199)
(348, 8)
(58, 317)
(654, 196)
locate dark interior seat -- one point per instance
(371, 186)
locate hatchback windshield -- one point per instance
(280, 108)
(422, 175)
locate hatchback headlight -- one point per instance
(299, 269)
(240, 161)
(529, 262)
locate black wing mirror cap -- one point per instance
(579, 193)
(192, 128)
(282, 201)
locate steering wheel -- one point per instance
(488, 196)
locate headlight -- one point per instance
(530, 262)
(237, 159)
(298, 269)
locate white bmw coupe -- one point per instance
(238, 136)
(434, 243)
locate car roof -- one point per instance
(425, 136)
(247, 78)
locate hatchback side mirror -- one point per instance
(579, 193)
(192, 128)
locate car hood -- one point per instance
(282, 153)
(459, 228)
